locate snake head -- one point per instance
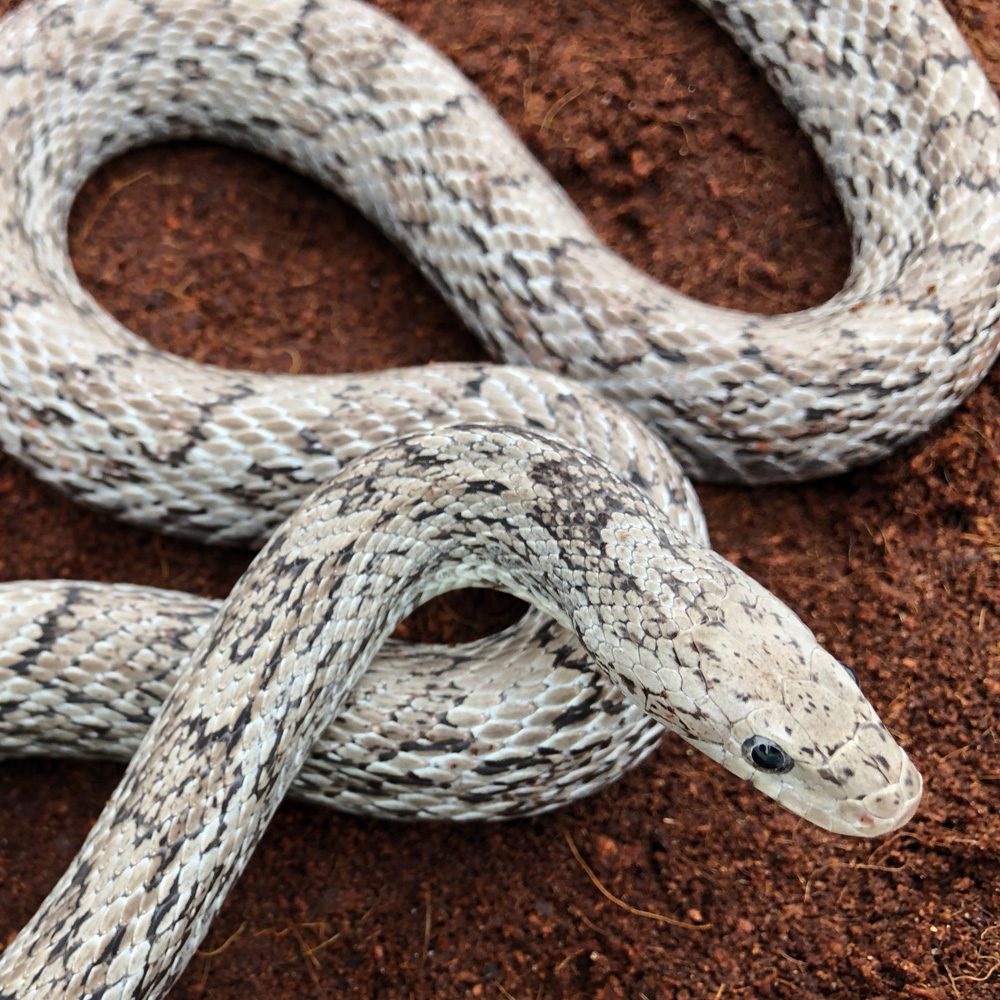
(753, 689)
(824, 754)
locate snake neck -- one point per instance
(469, 506)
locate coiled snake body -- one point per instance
(905, 122)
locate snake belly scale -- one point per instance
(612, 547)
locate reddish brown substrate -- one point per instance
(684, 161)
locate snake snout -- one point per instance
(884, 810)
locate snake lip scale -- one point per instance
(370, 494)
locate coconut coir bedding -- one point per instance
(684, 161)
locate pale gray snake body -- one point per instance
(601, 532)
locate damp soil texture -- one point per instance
(684, 161)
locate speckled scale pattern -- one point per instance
(900, 114)
(113, 647)
(904, 121)
(683, 634)
(511, 725)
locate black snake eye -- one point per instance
(851, 673)
(765, 755)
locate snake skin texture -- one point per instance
(896, 106)
(904, 121)
(694, 641)
(84, 667)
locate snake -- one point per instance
(665, 617)
(417, 481)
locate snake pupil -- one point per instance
(766, 756)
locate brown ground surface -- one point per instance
(684, 161)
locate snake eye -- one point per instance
(851, 673)
(765, 755)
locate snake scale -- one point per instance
(419, 481)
